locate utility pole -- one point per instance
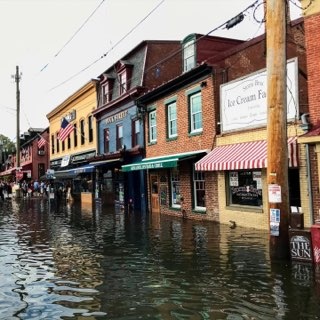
(277, 148)
(17, 78)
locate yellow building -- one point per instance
(70, 159)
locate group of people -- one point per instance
(34, 188)
(5, 189)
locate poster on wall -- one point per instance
(234, 179)
(256, 176)
(274, 193)
(274, 222)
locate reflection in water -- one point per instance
(76, 262)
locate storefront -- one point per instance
(242, 187)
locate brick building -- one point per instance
(310, 140)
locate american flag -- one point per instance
(41, 142)
(65, 130)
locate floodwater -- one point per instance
(98, 263)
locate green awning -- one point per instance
(168, 161)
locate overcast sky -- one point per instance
(59, 45)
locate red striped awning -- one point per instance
(246, 155)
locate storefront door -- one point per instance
(155, 203)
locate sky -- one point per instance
(59, 45)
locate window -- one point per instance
(175, 188)
(189, 56)
(106, 140)
(69, 141)
(75, 135)
(82, 138)
(90, 129)
(244, 188)
(106, 93)
(199, 190)
(152, 126)
(62, 145)
(195, 112)
(119, 136)
(172, 119)
(135, 132)
(58, 142)
(123, 82)
(52, 144)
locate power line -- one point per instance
(73, 36)
(105, 54)
(165, 59)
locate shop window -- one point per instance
(172, 119)
(152, 126)
(175, 188)
(199, 190)
(244, 188)
(195, 109)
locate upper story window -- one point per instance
(90, 128)
(124, 73)
(189, 58)
(119, 136)
(152, 126)
(69, 141)
(52, 144)
(195, 109)
(123, 82)
(135, 132)
(106, 88)
(75, 135)
(82, 138)
(172, 119)
(58, 142)
(106, 140)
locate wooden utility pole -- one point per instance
(277, 149)
(17, 78)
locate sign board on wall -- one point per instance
(244, 101)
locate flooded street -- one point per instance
(83, 263)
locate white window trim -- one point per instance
(153, 133)
(174, 205)
(187, 49)
(192, 129)
(198, 208)
(173, 104)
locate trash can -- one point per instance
(300, 245)
(315, 237)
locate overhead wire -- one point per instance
(112, 48)
(76, 32)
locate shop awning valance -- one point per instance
(247, 155)
(168, 161)
(72, 173)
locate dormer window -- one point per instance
(124, 71)
(189, 57)
(123, 82)
(106, 88)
